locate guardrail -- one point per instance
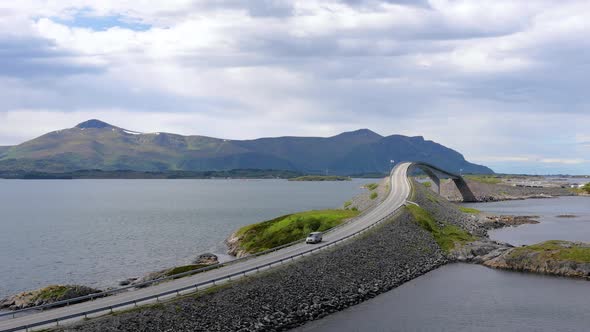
(80, 299)
(183, 289)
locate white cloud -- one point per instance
(563, 161)
(500, 81)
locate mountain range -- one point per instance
(94, 144)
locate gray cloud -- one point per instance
(36, 57)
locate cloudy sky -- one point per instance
(506, 83)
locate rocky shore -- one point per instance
(202, 261)
(56, 293)
(561, 258)
(46, 295)
(286, 297)
(488, 192)
(494, 222)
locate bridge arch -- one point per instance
(435, 173)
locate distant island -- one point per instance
(321, 178)
(127, 174)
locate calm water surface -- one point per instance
(464, 297)
(96, 232)
(550, 227)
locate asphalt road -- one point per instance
(400, 189)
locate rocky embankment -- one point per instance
(46, 295)
(308, 289)
(487, 192)
(371, 197)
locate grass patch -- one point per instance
(52, 292)
(446, 236)
(557, 250)
(374, 195)
(489, 179)
(347, 204)
(321, 178)
(184, 268)
(286, 229)
(469, 210)
(371, 186)
(427, 184)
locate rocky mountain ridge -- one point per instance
(94, 144)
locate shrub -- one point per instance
(371, 186)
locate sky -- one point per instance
(503, 82)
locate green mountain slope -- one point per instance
(97, 145)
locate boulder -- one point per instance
(206, 259)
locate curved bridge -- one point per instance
(435, 174)
(128, 297)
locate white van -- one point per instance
(315, 237)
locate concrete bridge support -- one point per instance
(435, 173)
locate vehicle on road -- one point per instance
(314, 237)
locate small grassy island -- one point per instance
(321, 178)
(569, 259)
(555, 250)
(285, 229)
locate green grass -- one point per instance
(374, 195)
(557, 250)
(586, 188)
(286, 229)
(372, 186)
(427, 184)
(347, 204)
(446, 236)
(489, 179)
(321, 178)
(469, 210)
(52, 292)
(184, 268)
